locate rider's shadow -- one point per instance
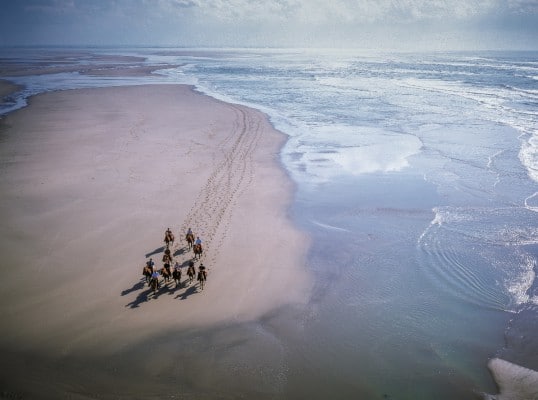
(136, 286)
(156, 251)
(190, 290)
(165, 289)
(141, 298)
(179, 252)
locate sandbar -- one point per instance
(91, 179)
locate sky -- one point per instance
(364, 24)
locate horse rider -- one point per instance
(168, 235)
(155, 275)
(167, 267)
(189, 232)
(191, 271)
(202, 270)
(150, 263)
(167, 257)
(198, 241)
(177, 266)
(202, 275)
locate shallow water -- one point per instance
(379, 312)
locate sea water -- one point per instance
(417, 179)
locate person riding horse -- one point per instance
(150, 264)
(176, 274)
(191, 272)
(154, 281)
(168, 237)
(197, 248)
(167, 267)
(189, 237)
(202, 275)
(167, 257)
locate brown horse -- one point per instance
(165, 272)
(168, 238)
(189, 237)
(176, 274)
(167, 257)
(190, 273)
(147, 271)
(197, 249)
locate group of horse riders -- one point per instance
(152, 274)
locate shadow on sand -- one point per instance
(135, 287)
(179, 252)
(156, 251)
(141, 298)
(190, 290)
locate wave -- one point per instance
(36, 84)
(479, 255)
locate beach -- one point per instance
(90, 181)
(382, 246)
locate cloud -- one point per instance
(318, 23)
(320, 11)
(525, 7)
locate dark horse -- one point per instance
(154, 284)
(176, 274)
(202, 277)
(189, 237)
(190, 273)
(197, 248)
(168, 238)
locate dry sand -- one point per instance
(90, 180)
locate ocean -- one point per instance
(417, 179)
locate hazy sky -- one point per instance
(386, 24)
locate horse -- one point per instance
(176, 274)
(189, 237)
(165, 272)
(202, 277)
(147, 271)
(154, 284)
(190, 273)
(197, 249)
(167, 257)
(168, 238)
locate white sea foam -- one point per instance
(518, 286)
(330, 227)
(531, 202)
(481, 257)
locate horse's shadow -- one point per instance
(136, 286)
(141, 298)
(165, 288)
(156, 251)
(190, 290)
(179, 252)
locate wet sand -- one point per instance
(90, 180)
(6, 88)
